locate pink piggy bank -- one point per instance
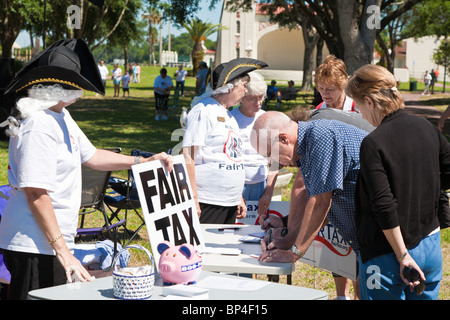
(179, 264)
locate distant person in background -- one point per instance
(116, 77)
(433, 80)
(162, 86)
(290, 92)
(126, 84)
(272, 93)
(131, 71)
(200, 81)
(137, 73)
(427, 81)
(103, 72)
(180, 77)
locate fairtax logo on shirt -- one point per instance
(233, 147)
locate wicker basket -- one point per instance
(131, 287)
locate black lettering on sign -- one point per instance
(183, 185)
(165, 194)
(178, 234)
(149, 190)
(163, 224)
(192, 234)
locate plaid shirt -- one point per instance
(329, 161)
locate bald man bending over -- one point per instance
(327, 155)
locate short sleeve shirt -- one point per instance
(329, 161)
(219, 167)
(163, 83)
(47, 153)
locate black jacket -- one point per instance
(403, 162)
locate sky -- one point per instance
(206, 15)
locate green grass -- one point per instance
(129, 123)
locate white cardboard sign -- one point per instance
(328, 250)
(168, 205)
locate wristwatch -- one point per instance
(297, 252)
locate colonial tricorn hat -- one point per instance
(67, 62)
(228, 71)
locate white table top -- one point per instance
(102, 289)
(242, 263)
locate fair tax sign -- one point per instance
(168, 204)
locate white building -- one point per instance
(251, 34)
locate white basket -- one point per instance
(130, 287)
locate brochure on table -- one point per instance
(167, 204)
(328, 251)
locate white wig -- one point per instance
(226, 88)
(39, 98)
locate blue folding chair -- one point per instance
(94, 186)
(125, 197)
(5, 276)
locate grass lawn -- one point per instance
(129, 123)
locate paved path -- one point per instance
(414, 106)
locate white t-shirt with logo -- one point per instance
(219, 167)
(47, 153)
(256, 166)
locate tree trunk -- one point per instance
(388, 58)
(358, 36)
(310, 37)
(125, 57)
(9, 31)
(151, 49)
(319, 57)
(197, 56)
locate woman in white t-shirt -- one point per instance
(212, 146)
(259, 180)
(46, 151)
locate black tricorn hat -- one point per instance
(67, 62)
(233, 69)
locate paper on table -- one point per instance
(227, 283)
(257, 234)
(227, 251)
(250, 239)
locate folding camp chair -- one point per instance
(125, 197)
(5, 276)
(94, 185)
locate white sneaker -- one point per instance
(156, 117)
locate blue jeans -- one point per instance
(379, 278)
(252, 192)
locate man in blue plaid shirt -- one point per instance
(327, 155)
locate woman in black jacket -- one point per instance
(404, 161)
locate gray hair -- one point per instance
(256, 86)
